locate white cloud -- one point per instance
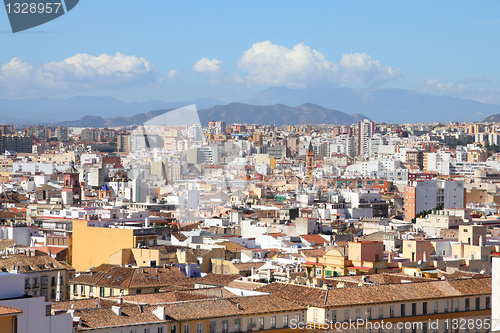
(214, 71)
(174, 75)
(361, 68)
(79, 72)
(275, 65)
(206, 65)
(271, 64)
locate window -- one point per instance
(413, 309)
(101, 291)
(212, 326)
(381, 312)
(199, 328)
(53, 293)
(249, 325)
(456, 305)
(445, 306)
(139, 291)
(391, 311)
(224, 326)
(111, 291)
(403, 310)
(237, 325)
(173, 329)
(478, 303)
(424, 308)
(186, 328)
(160, 329)
(346, 314)
(467, 304)
(334, 315)
(75, 289)
(285, 320)
(91, 291)
(436, 307)
(261, 323)
(488, 302)
(147, 330)
(273, 322)
(82, 290)
(358, 313)
(369, 312)
(53, 281)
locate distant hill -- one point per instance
(492, 119)
(96, 121)
(307, 113)
(236, 113)
(51, 110)
(385, 105)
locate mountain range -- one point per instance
(280, 105)
(51, 110)
(383, 105)
(236, 113)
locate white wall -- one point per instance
(495, 295)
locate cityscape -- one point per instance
(251, 166)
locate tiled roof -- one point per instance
(180, 237)
(106, 317)
(5, 243)
(184, 311)
(125, 277)
(248, 266)
(88, 303)
(5, 310)
(218, 279)
(313, 253)
(377, 294)
(314, 238)
(26, 264)
(232, 247)
(224, 307)
(382, 278)
(162, 298)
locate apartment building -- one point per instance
(232, 314)
(111, 280)
(416, 305)
(429, 194)
(43, 275)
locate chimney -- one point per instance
(160, 312)
(120, 298)
(58, 288)
(117, 310)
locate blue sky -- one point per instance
(182, 50)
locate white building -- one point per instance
(36, 317)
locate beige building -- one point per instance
(111, 280)
(415, 307)
(416, 250)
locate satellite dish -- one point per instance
(419, 262)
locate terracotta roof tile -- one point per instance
(218, 279)
(125, 277)
(377, 294)
(5, 310)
